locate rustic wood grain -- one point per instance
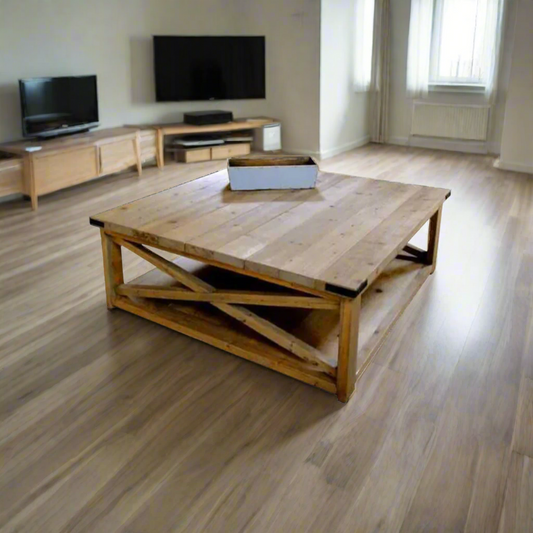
(523, 431)
(268, 161)
(364, 229)
(348, 347)
(517, 513)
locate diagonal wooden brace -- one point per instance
(415, 251)
(279, 336)
(226, 296)
(414, 254)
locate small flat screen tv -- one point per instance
(54, 106)
(209, 68)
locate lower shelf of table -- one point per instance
(381, 305)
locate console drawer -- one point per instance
(117, 156)
(225, 151)
(10, 176)
(54, 172)
(148, 145)
(192, 155)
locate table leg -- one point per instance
(113, 273)
(348, 346)
(433, 239)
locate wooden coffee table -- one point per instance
(307, 283)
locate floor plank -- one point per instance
(517, 512)
(523, 435)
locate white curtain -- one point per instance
(493, 45)
(363, 36)
(381, 72)
(469, 33)
(419, 48)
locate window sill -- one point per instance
(456, 88)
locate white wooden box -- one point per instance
(276, 172)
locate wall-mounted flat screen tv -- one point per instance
(53, 106)
(209, 68)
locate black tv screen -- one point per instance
(209, 68)
(51, 106)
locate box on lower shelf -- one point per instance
(207, 153)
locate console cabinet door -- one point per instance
(54, 172)
(148, 145)
(117, 156)
(10, 176)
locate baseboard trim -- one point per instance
(301, 151)
(399, 141)
(513, 167)
(332, 152)
(494, 148)
(469, 147)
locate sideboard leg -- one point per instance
(348, 346)
(138, 156)
(29, 186)
(32, 185)
(34, 201)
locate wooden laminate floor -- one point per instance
(109, 423)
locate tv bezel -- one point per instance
(158, 100)
(82, 126)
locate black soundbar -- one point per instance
(205, 118)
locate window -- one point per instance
(454, 42)
(463, 41)
(363, 43)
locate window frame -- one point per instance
(448, 84)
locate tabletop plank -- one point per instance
(365, 261)
(342, 233)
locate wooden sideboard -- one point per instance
(67, 161)
(71, 160)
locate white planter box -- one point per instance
(276, 172)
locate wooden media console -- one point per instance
(74, 159)
(181, 128)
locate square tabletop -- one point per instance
(338, 236)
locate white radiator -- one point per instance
(468, 122)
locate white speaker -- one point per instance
(267, 138)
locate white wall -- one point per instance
(292, 28)
(401, 106)
(517, 138)
(113, 39)
(344, 114)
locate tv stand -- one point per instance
(69, 160)
(241, 124)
